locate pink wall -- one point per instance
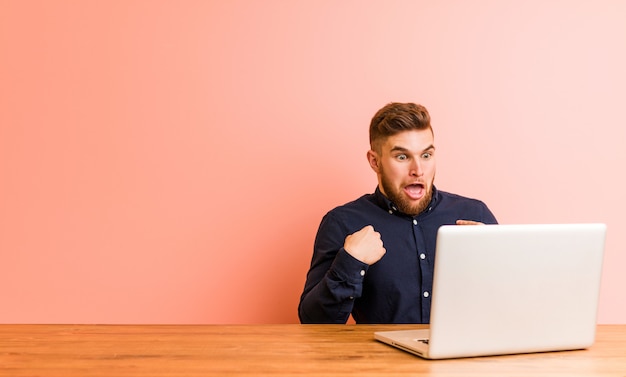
(169, 161)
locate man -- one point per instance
(374, 257)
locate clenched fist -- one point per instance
(365, 245)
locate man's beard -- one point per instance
(402, 202)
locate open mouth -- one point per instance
(415, 191)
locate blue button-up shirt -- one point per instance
(397, 288)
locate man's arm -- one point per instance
(338, 268)
(484, 216)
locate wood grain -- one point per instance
(269, 350)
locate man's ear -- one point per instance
(372, 158)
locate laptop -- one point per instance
(507, 289)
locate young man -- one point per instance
(373, 257)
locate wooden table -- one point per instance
(269, 350)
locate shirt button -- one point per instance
(422, 256)
(426, 294)
(414, 222)
(391, 212)
(362, 272)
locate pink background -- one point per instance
(170, 161)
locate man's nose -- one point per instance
(416, 169)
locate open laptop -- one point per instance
(505, 289)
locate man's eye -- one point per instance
(401, 157)
(427, 155)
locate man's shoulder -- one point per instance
(451, 197)
(451, 201)
(463, 207)
(353, 215)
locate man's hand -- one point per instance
(365, 245)
(468, 222)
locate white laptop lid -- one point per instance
(501, 289)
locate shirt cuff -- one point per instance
(348, 268)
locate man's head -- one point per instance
(403, 155)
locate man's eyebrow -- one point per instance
(398, 148)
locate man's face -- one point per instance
(405, 165)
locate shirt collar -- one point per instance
(389, 206)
